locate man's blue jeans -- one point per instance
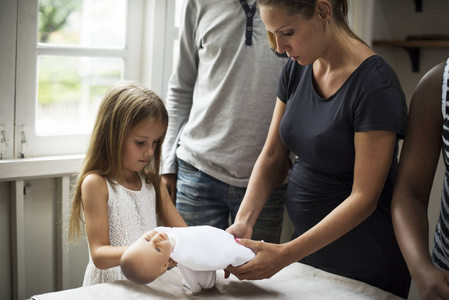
(204, 200)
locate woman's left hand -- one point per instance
(268, 261)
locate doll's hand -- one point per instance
(268, 261)
(171, 263)
(432, 283)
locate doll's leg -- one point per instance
(197, 280)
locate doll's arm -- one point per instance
(197, 280)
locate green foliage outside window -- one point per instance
(53, 16)
(59, 76)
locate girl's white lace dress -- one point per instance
(131, 214)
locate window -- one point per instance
(68, 53)
(70, 86)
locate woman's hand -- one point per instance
(240, 230)
(269, 260)
(432, 283)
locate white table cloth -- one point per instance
(297, 281)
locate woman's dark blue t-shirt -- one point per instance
(370, 99)
(321, 133)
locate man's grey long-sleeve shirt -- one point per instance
(222, 93)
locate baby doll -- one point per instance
(198, 250)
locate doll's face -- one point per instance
(147, 258)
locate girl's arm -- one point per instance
(418, 163)
(168, 213)
(94, 195)
(269, 171)
(374, 151)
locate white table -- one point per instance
(297, 281)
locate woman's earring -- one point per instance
(327, 22)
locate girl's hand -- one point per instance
(432, 283)
(269, 260)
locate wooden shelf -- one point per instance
(413, 43)
(413, 47)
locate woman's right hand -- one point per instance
(432, 283)
(169, 180)
(269, 259)
(240, 230)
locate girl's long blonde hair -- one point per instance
(125, 106)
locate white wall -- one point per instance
(5, 244)
(395, 20)
(41, 219)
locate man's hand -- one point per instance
(169, 180)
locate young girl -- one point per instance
(118, 188)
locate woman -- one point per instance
(427, 135)
(341, 110)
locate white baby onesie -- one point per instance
(204, 249)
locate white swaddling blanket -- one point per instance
(201, 250)
(206, 248)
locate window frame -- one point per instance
(146, 58)
(28, 143)
(8, 32)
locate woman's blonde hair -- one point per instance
(306, 9)
(125, 106)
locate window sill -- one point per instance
(50, 166)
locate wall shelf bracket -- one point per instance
(414, 58)
(414, 45)
(418, 5)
